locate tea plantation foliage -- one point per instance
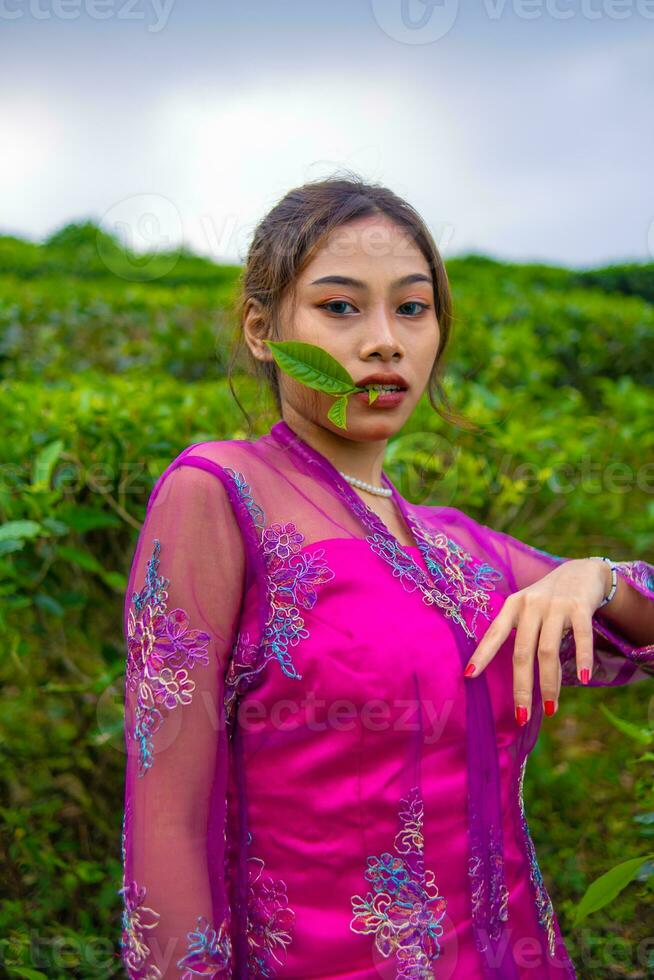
(111, 364)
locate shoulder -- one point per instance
(201, 474)
(217, 458)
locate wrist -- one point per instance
(609, 578)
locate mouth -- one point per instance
(388, 397)
(382, 382)
(383, 388)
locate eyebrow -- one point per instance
(359, 284)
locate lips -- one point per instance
(383, 379)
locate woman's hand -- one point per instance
(564, 599)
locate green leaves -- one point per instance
(645, 736)
(315, 367)
(604, 889)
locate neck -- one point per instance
(363, 459)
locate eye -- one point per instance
(335, 302)
(343, 302)
(414, 302)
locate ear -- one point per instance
(257, 327)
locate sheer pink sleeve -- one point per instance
(617, 660)
(181, 612)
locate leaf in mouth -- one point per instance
(315, 367)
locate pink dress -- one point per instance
(312, 788)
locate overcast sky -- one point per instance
(523, 129)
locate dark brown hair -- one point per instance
(287, 238)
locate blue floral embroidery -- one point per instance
(404, 910)
(161, 649)
(137, 919)
(467, 580)
(543, 902)
(209, 951)
(292, 581)
(456, 579)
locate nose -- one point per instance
(381, 335)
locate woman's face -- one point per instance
(367, 298)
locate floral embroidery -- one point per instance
(136, 919)
(270, 921)
(639, 572)
(292, 581)
(209, 952)
(405, 909)
(468, 578)
(244, 665)
(456, 578)
(543, 901)
(487, 921)
(162, 648)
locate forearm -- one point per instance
(631, 612)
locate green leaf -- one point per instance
(337, 412)
(44, 464)
(19, 530)
(312, 366)
(83, 518)
(81, 558)
(116, 580)
(47, 602)
(11, 544)
(604, 889)
(27, 973)
(643, 735)
(315, 367)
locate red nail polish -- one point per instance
(469, 671)
(585, 675)
(549, 707)
(521, 715)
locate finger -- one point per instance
(524, 650)
(549, 662)
(582, 627)
(492, 640)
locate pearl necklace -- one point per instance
(382, 491)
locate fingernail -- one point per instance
(469, 671)
(585, 675)
(521, 715)
(549, 707)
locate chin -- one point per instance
(372, 429)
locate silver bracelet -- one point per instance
(614, 577)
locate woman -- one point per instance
(313, 787)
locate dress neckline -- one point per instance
(282, 431)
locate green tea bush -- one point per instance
(105, 380)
